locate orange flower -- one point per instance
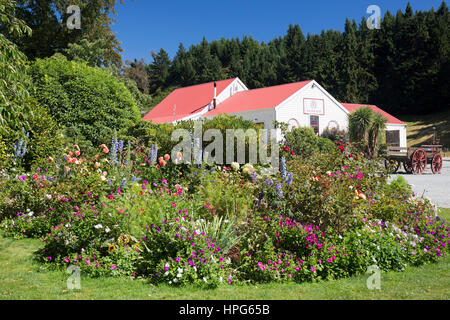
(77, 153)
(167, 157)
(97, 164)
(97, 156)
(158, 167)
(162, 163)
(179, 155)
(103, 146)
(70, 154)
(51, 160)
(160, 159)
(66, 168)
(105, 150)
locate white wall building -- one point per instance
(303, 103)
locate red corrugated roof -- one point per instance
(390, 118)
(263, 98)
(188, 101)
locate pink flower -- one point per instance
(313, 269)
(114, 267)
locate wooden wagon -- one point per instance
(415, 159)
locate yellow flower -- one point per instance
(111, 248)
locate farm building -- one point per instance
(303, 103)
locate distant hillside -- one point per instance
(420, 129)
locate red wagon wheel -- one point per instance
(436, 163)
(419, 161)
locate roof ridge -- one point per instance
(279, 85)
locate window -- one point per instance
(292, 124)
(314, 121)
(393, 138)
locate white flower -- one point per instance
(167, 273)
(204, 279)
(220, 279)
(48, 196)
(98, 226)
(179, 275)
(180, 270)
(235, 166)
(175, 280)
(31, 214)
(107, 230)
(170, 282)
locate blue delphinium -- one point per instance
(279, 190)
(290, 178)
(20, 147)
(283, 168)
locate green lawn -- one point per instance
(420, 129)
(21, 278)
(444, 213)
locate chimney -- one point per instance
(215, 96)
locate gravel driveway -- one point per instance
(435, 187)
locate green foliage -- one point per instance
(48, 20)
(303, 141)
(365, 127)
(335, 135)
(228, 193)
(93, 53)
(88, 101)
(15, 106)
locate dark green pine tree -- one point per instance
(182, 71)
(207, 67)
(384, 65)
(348, 64)
(440, 34)
(367, 82)
(295, 53)
(159, 70)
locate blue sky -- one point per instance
(145, 25)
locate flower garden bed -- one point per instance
(128, 213)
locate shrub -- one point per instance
(304, 142)
(92, 102)
(335, 135)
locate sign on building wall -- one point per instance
(314, 106)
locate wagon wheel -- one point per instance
(408, 166)
(436, 163)
(391, 165)
(419, 161)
